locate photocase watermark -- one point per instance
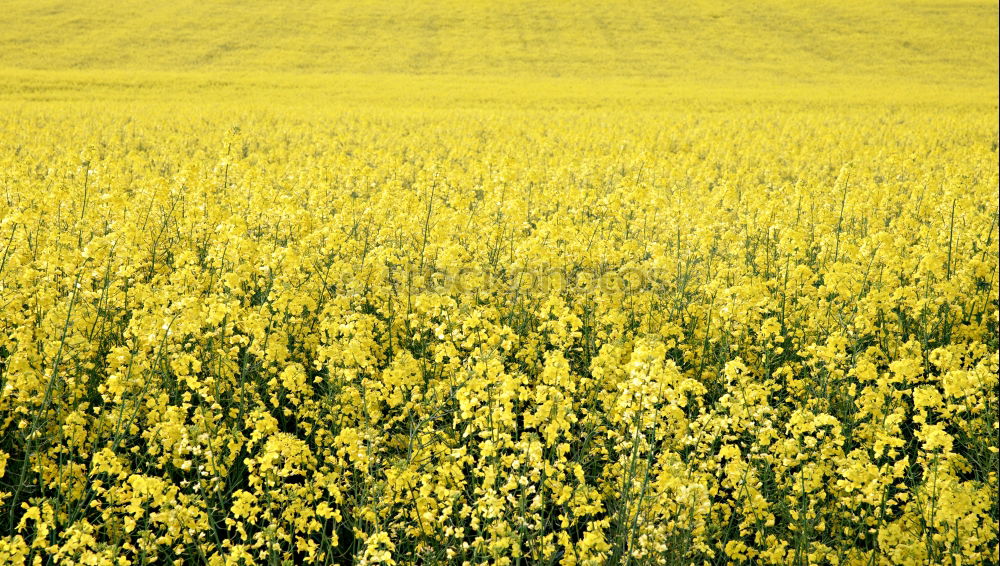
(513, 280)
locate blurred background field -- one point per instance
(475, 53)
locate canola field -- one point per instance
(560, 283)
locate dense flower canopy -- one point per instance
(484, 340)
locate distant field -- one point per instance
(828, 48)
(566, 283)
